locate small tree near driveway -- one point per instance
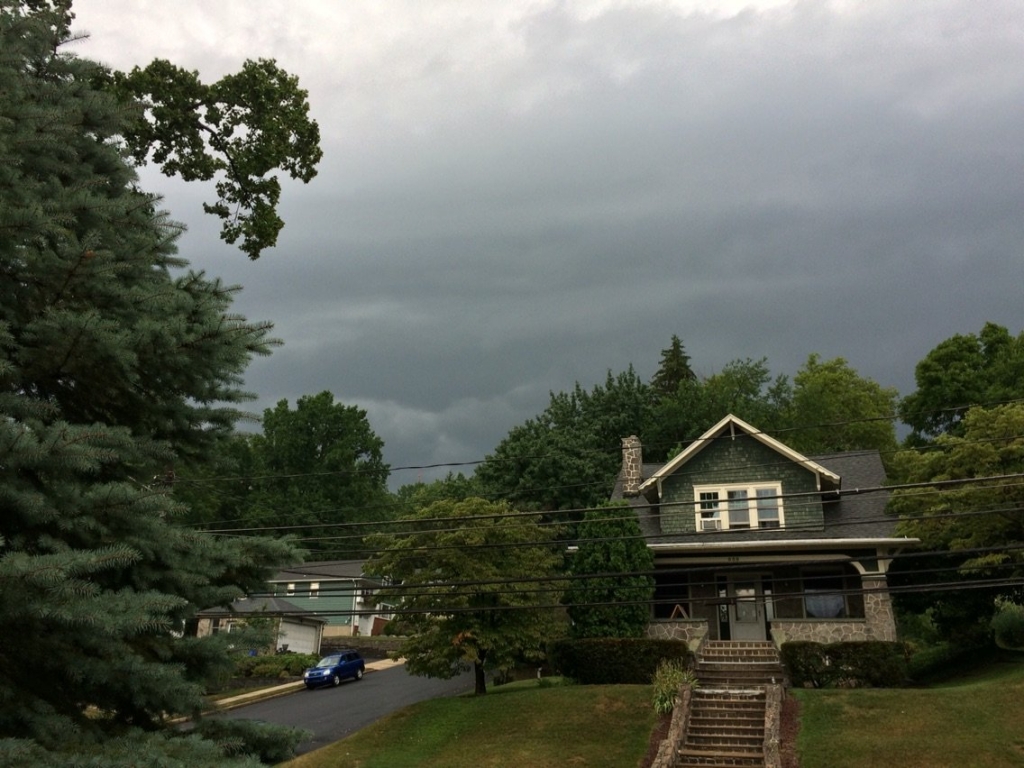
(472, 582)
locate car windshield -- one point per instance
(329, 661)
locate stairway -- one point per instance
(727, 710)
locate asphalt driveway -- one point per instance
(334, 713)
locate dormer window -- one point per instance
(738, 507)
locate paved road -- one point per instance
(334, 713)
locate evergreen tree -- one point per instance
(613, 596)
(115, 363)
(673, 370)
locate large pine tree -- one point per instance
(115, 363)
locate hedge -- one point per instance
(613, 660)
(871, 663)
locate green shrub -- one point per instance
(297, 663)
(278, 665)
(613, 660)
(875, 664)
(671, 674)
(1008, 626)
(806, 664)
(871, 663)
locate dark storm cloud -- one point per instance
(506, 208)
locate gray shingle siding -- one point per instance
(858, 512)
(739, 460)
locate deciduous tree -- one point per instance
(836, 409)
(318, 463)
(239, 131)
(744, 388)
(568, 456)
(965, 370)
(473, 587)
(979, 523)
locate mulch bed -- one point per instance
(789, 728)
(658, 735)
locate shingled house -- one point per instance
(754, 541)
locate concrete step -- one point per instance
(718, 758)
(704, 724)
(734, 742)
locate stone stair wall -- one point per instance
(726, 725)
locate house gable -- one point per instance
(736, 477)
(741, 462)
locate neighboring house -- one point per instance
(295, 629)
(336, 590)
(753, 541)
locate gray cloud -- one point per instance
(518, 196)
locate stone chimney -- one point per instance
(632, 466)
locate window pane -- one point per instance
(823, 598)
(739, 511)
(709, 504)
(768, 507)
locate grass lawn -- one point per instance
(973, 720)
(521, 724)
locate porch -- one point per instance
(790, 602)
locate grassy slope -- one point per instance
(975, 720)
(516, 725)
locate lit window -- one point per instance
(314, 590)
(290, 590)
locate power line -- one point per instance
(607, 449)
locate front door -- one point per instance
(746, 607)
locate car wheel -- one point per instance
(335, 680)
(359, 674)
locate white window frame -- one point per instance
(704, 496)
(314, 590)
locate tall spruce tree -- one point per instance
(115, 363)
(673, 370)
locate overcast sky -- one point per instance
(515, 196)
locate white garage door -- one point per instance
(300, 638)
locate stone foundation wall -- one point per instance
(878, 623)
(691, 631)
(808, 630)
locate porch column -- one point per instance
(878, 615)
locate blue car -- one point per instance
(331, 670)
